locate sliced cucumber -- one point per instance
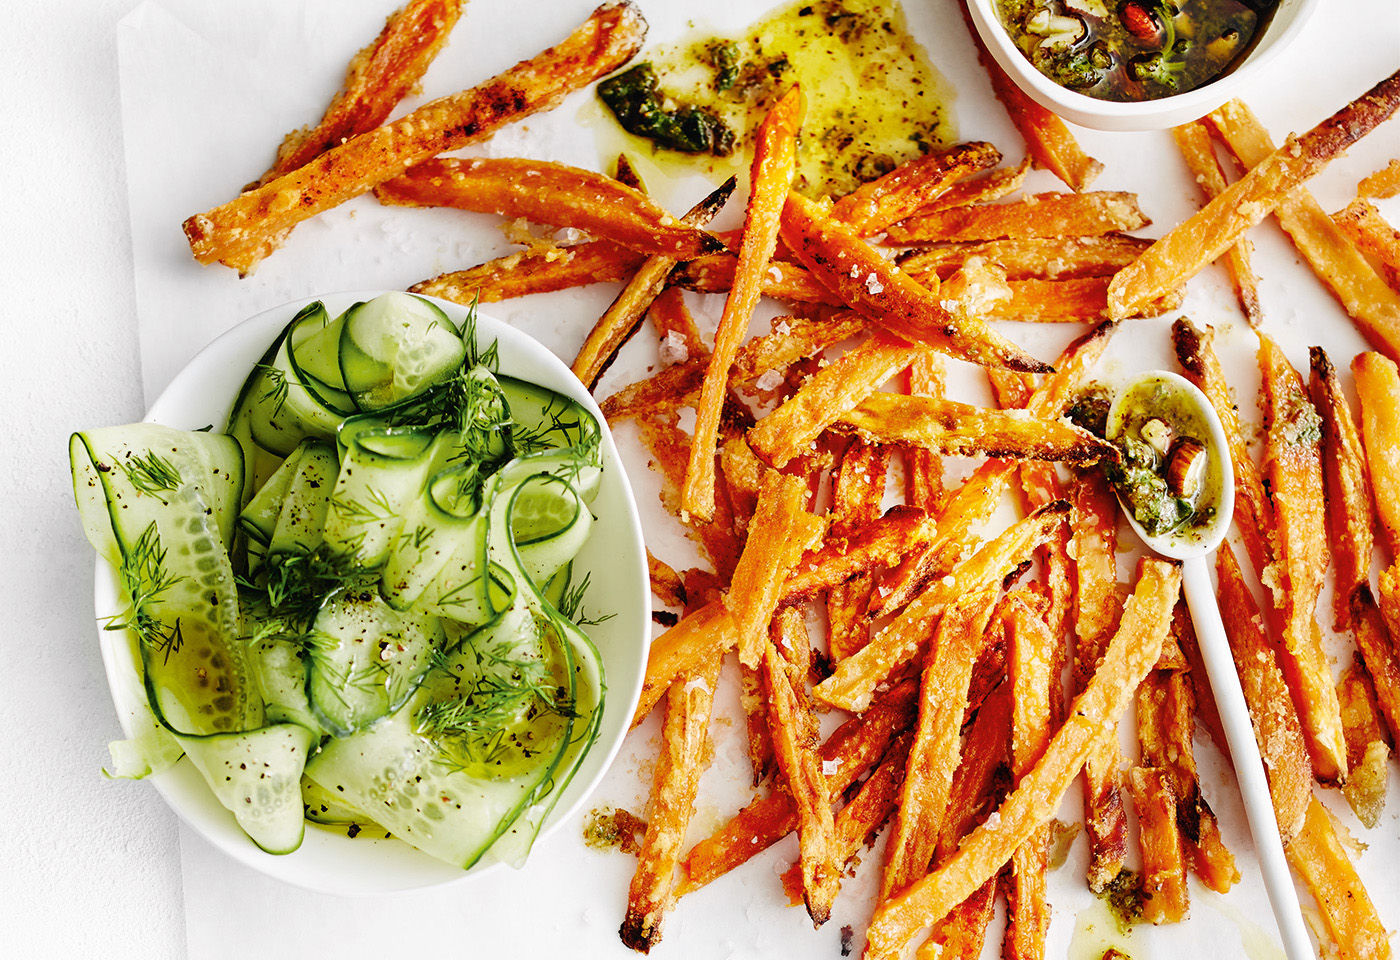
(394, 346)
(382, 473)
(302, 520)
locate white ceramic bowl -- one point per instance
(203, 393)
(1288, 22)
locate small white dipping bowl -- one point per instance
(202, 394)
(1287, 23)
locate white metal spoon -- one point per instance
(1194, 550)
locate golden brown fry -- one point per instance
(835, 390)
(773, 165)
(1131, 655)
(1293, 468)
(665, 582)
(379, 76)
(856, 677)
(1048, 139)
(1378, 388)
(781, 531)
(684, 751)
(870, 284)
(719, 540)
(1384, 183)
(962, 934)
(557, 196)
(1368, 757)
(1030, 258)
(1254, 516)
(714, 273)
(1373, 236)
(923, 470)
(1217, 226)
(981, 189)
(928, 780)
(1375, 643)
(1165, 897)
(1193, 139)
(857, 489)
(1276, 724)
(626, 313)
(873, 206)
(1350, 510)
(540, 269)
(959, 429)
(1349, 918)
(1041, 215)
(1071, 300)
(244, 231)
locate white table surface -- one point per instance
(102, 869)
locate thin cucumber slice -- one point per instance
(382, 472)
(395, 346)
(281, 667)
(321, 806)
(302, 519)
(257, 776)
(259, 518)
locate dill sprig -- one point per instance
(571, 603)
(143, 578)
(151, 474)
(291, 588)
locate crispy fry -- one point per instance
(857, 492)
(665, 582)
(1193, 140)
(1378, 388)
(868, 283)
(1030, 258)
(1217, 226)
(557, 196)
(1368, 757)
(1349, 917)
(1048, 139)
(1350, 509)
(834, 391)
(1165, 897)
(781, 530)
(933, 758)
(1070, 300)
(719, 539)
(379, 76)
(1254, 515)
(1041, 215)
(626, 313)
(1373, 236)
(1293, 468)
(856, 677)
(923, 470)
(873, 206)
(773, 165)
(1201, 694)
(959, 429)
(540, 269)
(1375, 642)
(685, 741)
(244, 231)
(1131, 655)
(1384, 183)
(714, 273)
(1373, 305)
(981, 189)
(1276, 724)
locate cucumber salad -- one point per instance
(356, 604)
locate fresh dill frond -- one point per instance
(151, 474)
(571, 604)
(374, 507)
(278, 387)
(143, 578)
(292, 587)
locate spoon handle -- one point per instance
(1249, 768)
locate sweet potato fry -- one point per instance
(781, 531)
(923, 799)
(626, 313)
(1351, 511)
(856, 677)
(1374, 306)
(685, 741)
(1349, 918)
(923, 470)
(959, 429)
(1254, 517)
(1378, 389)
(1048, 139)
(379, 76)
(714, 273)
(1368, 757)
(1368, 230)
(666, 584)
(1165, 898)
(1041, 215)
(540, 269)
(1069, 300)
(868, 283)
(244, 231)
(1375, 643)
(873, 206)
(719, 540)
(1193, 140)
(1030, 258)
(1384, 183)
(771, 175)
(1131, 655)
(857, 491)
(1276, 724)
(981, 189)
(1293, 468)
(1217, 226)
(554, 195)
